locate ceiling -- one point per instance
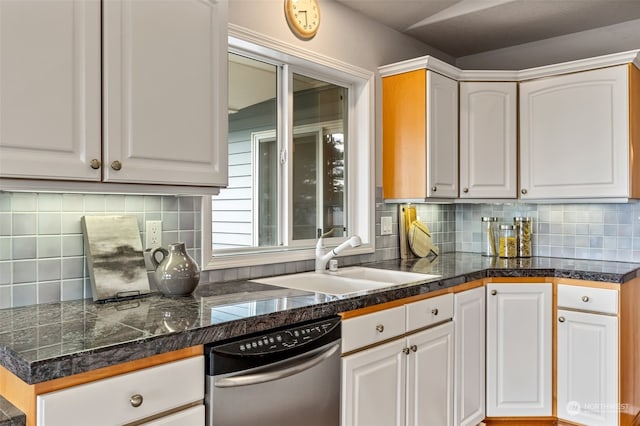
(466, 27)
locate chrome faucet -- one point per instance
(323, 258)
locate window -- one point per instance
(300, 162)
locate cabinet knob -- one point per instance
(434, 188)
(561, 319)
(406, 351)
(465, 190)
(434, 311)
(136, 400)
(494, 292)
(585, 298)
(379, 328)
(414, 348)
(95, 164)
(523, 191)
(116, 165)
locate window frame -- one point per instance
(360, 177)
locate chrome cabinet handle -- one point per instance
(136, 400)
(523, 191)
(585, 298)
(414, 348)
(561, 319)
(95, 164)
(494, 292)
(465, 190)
(379, 328)
(434, 188)
(406, 351)
(434, 311)
(116, 165)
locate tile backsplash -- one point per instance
(41, 242)
(579, 231)
(42, 252)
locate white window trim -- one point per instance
(360, 176)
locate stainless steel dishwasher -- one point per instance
(282, 377)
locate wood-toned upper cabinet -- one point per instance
(164, 71)
(577, 135)
(161, 116)
(50, 89)
(420, 136)
(488, 140)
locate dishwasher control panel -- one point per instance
(282, 339)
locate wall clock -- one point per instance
(303, 17)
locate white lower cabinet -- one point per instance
(407, 380)
(430, 377)
(374, 386)
(193, 416)
(469, 365)
(519, 350)
(131, 397)
(587, 351)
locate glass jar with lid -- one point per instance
(523, 235)
(507, 241)
(488, 236)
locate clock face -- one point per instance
(303, 17)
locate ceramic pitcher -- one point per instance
(177, 274)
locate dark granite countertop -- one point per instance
(44, 342)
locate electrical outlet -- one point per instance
(153, 233)
(385, 225)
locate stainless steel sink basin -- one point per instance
(346, 281)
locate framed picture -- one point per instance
(114, 257)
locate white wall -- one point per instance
(343, 35)
(584, 44)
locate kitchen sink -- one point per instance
(346, 281)
(382, 275)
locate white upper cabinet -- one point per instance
(575, 135)
(162, 69)
(488, 139)
(419, 132)
(50, 89)
(442, 136)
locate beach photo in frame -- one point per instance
(114, 257)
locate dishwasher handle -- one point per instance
(285, 370)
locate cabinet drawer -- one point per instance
(430, 311)
(372, 328)
(108, 401)
(588, 299)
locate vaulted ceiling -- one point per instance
(465, 27)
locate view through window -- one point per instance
(283, 190)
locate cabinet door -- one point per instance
(574, 135)
(50, 86)
(165, 91)
(442, 136)
(373, 386)
(430, 377)
(587, 368)
(519, 350)
(488, 140)
(193, 416)
(469, 389)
